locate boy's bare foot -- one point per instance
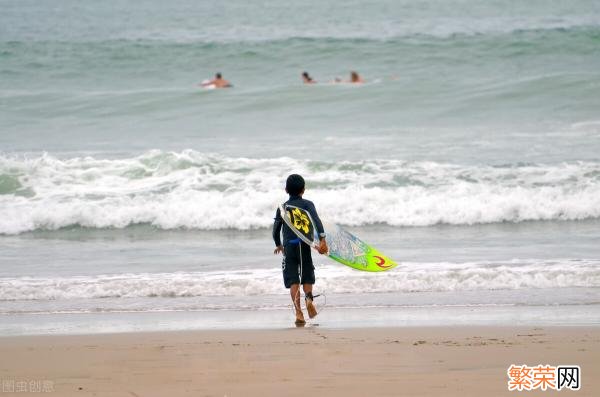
(310, 308)
(299, 319)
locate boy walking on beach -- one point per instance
(297, 263)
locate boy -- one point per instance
(297, 260)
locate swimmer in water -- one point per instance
(355, 78)
(307, 79)
(217, 82)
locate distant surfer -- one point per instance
(217, 82)
(307, 79)
(355, 78)
(297, 263)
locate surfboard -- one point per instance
(205, 85)
(344, 247)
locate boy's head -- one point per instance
(294, 185)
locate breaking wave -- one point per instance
(193, 190)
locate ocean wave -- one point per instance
(408, 278)
(437, 27)
(142, 45)
(192, 190)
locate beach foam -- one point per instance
(408, 278)
(194, 190)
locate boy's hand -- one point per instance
(278, 249)
(323, 247)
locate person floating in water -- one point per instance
(217, 82)
(355, 78)
(307, 79)
(297, 262)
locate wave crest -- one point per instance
(198, 191)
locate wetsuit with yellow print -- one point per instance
(297, 259)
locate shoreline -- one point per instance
(416, 361)
(29, 324)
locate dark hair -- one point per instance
(305, 74)
(294, 185)
(218, 75)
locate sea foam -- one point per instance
(332, 278)
(194, 190)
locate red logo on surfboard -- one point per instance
(381, 262)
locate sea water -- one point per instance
(130, 198)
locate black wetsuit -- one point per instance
(297, 259)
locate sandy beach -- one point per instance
(414, 361)
(137, 206)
